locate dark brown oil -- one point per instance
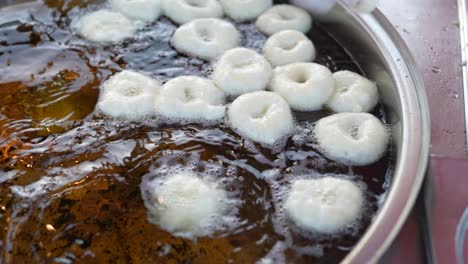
(70, 180)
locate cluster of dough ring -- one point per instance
(286, 68)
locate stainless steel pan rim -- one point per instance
(414, 138)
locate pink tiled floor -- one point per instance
(431, 30)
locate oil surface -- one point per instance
(70, 179)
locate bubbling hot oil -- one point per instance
(70, 179)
